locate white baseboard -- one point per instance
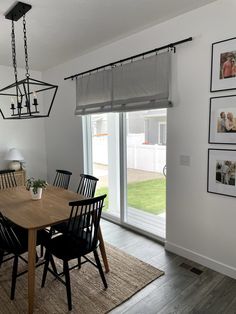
(201, 259)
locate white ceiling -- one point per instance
(59, 30)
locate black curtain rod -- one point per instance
(171, 45)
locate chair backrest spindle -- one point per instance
(8, 239)
(7, 179)
(62, 179)
(87, 185)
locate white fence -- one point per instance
(139, 156)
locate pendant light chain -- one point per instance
(13, 46)
(26, 49)
(23, 97)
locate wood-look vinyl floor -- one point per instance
(179, 290)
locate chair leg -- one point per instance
(14, 276)
(100, 268)
(53, 264)
(1, 257)
(79, 262)
(68, 288)
(45, 270)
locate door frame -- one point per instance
(88, 168)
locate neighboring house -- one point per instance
(155, 127)
(150, 123)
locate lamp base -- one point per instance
(14, 165)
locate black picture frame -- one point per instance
(221, 80)
(222, 120)
(221, 172)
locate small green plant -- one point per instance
(35, 184)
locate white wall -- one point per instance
(199, 225)
(63, 130)
(26, 135)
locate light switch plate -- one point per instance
(184, 160)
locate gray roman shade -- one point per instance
(138, 85)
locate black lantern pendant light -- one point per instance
(23, 99)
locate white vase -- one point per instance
(14, 165)
(36, 196)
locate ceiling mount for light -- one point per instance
(21, 99)
(17, 11)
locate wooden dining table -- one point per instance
(16, 204)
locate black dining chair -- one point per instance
(87, 185)
(62, 179)
(80, 239)
(14, 240)
(7, 179)
(87, 188)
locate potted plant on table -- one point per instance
(36, 187)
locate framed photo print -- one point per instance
(222, 120)
(221, 172)
(223, 65)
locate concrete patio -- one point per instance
(133, 175)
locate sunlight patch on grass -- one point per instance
(148, 196)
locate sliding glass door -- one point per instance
(105, 164)
(128, 155)
(146, 158)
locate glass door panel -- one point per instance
(105, 161)
(146, 159)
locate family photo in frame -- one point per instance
(222, 120)
(223, 65)
(221, 172)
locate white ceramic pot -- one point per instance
(36, 196)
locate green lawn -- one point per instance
(149, 196)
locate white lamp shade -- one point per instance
(14, 154)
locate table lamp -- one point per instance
(15, 158)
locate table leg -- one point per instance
(31, 268)
(103, 250)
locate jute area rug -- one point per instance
(127, 276)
